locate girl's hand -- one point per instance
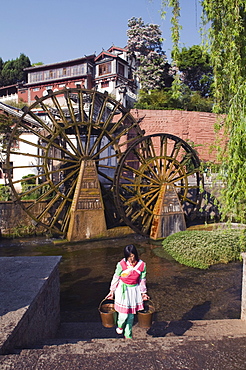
(145, 296)
(110, 295)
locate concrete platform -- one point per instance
(29, 300)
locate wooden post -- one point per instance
(87, 219)
(243, 299)
(168, 214)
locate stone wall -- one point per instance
(29, 300)
(13, 216)
(197, 127)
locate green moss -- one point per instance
(201, 249)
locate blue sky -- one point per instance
(51, 31)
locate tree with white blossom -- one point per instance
(145, 44)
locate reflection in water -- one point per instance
(178, 292)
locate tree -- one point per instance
(196, 69)
(227, 36)
(145, 44)
(164, 99)
(227, 40)
(12, 70)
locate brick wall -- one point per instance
(197, 127)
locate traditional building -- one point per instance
(115, 73)
(57, 76)
(112, 71)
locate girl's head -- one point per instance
(129, 251)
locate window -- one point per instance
(121, 69)
(46, 75)
(35, 77)
(36, 89)
(59, 72)
(104, 84)
(104, 68)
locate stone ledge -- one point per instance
(29, 300)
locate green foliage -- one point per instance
(196, 69)
(233, 174)
(175, 36)
(164, 99)
(29, 183)
(23, 230)
(227, 36)
(201, 249)
(12, 70)
(5, 193)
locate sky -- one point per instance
(51, 31)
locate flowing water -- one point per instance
(177, 292)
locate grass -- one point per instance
(201, 249)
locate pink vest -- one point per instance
(130, 275)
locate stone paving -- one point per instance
(193, 345)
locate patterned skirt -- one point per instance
(128, 298)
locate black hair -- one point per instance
(131, 249)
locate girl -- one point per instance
(128, 286)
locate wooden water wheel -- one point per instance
(157, 184)
(77, 126)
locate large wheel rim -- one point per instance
(149, 164)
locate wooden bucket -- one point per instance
(107, 313)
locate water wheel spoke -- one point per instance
(36, 132)
(60, 129)
(39, 120)
(131, 200)
(45, 194)
(81, 106)
(147, 222)
(140, 174)
(70, 106)
(59, 109)
(96, 143)
(33, 189)
(143, 161)
(181, 177)
(66, 220)
(118, 123)
(48, 206)
(152, 198)
(136, 214)
(185, 199)
(39, 156)
(152, 153)
(129, 141)
(101, 111)
(79, 141)
(187, 186)
(105, 176)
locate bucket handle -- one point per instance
(100, 304)
(149, 300)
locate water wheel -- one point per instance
(53, 137)
(157, 184)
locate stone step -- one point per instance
(199, 329)
(171, 345)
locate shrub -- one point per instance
(201, 249)
(5, 193)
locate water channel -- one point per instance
(178, 292)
